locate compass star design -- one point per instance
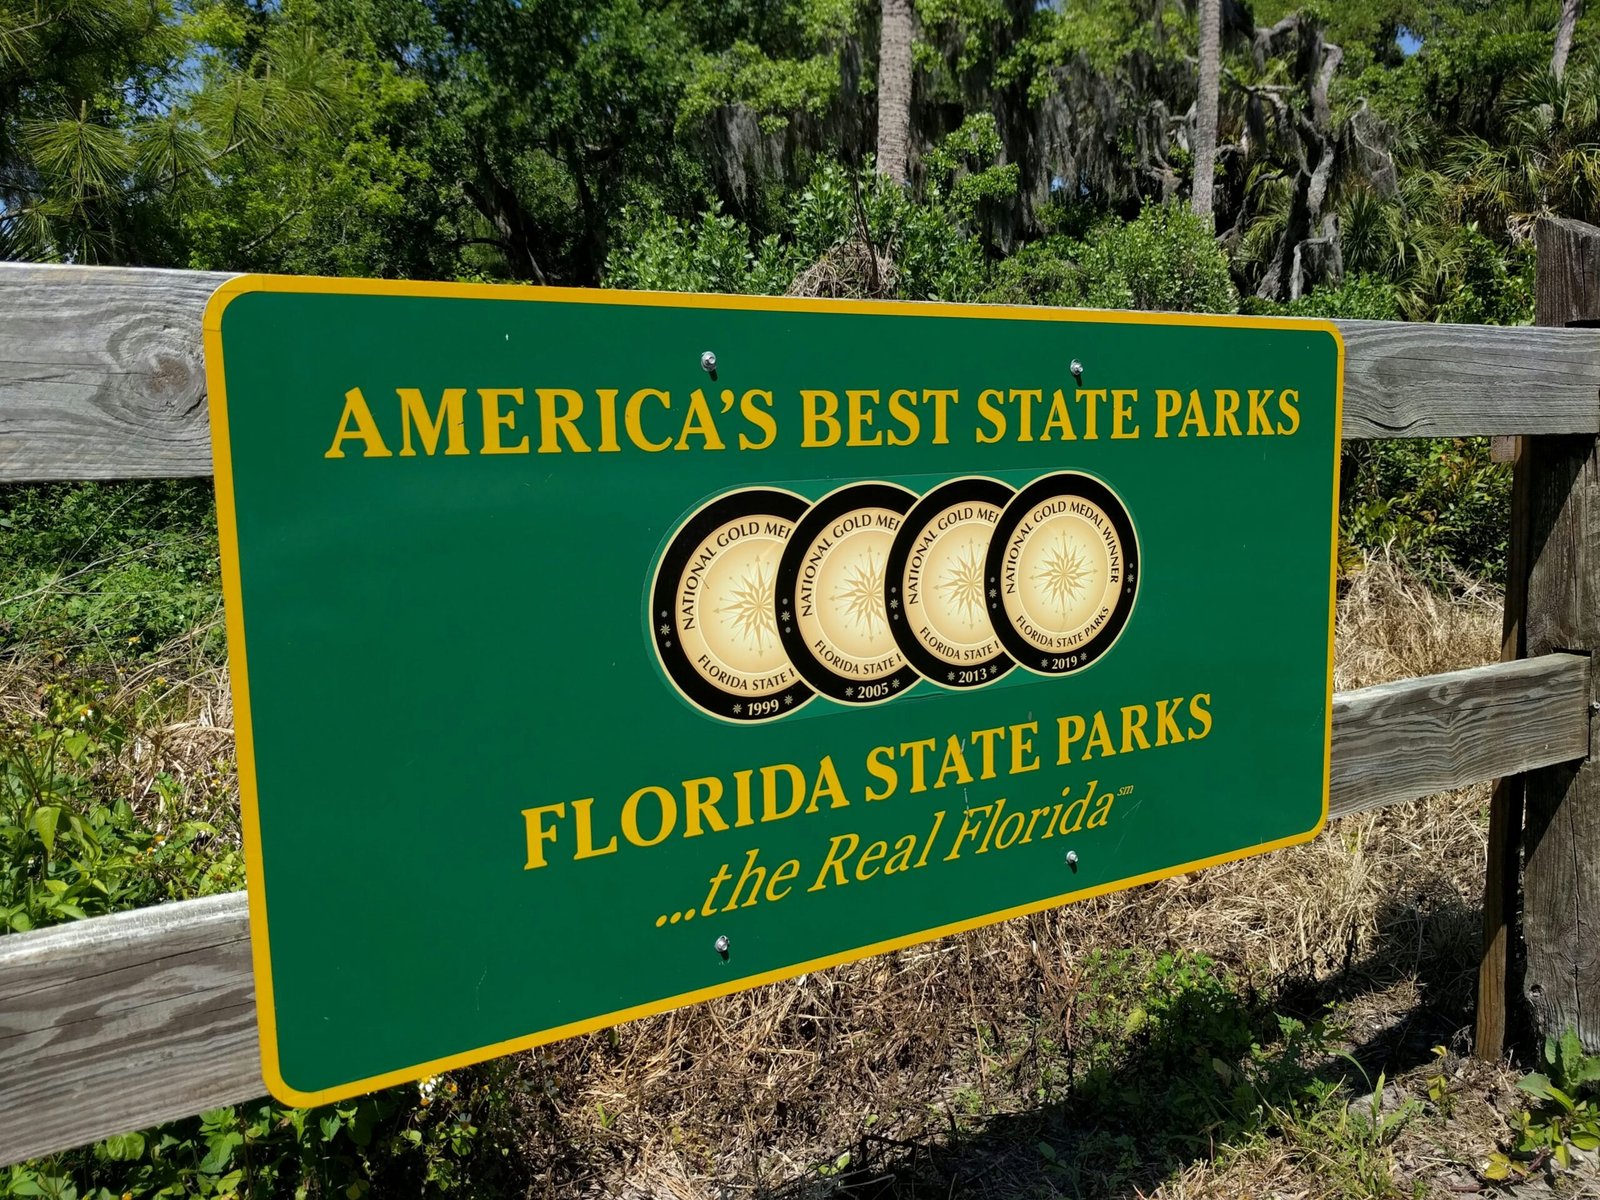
(963, 584)
(1064, 573)
(750, 606)
(860, 597)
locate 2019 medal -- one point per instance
(1062, 573)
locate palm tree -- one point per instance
(1570, 11)
(1547, 162)
(1205, 107)
(894, 91)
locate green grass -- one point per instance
(109, 574)
(117, 791)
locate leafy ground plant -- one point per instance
(1565, 1122)
(117, 791)
(72, 844)
(422, 1139)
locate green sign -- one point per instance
(595, 653)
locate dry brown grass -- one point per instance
(1389, 627)
(176, 706)
(931, 1067)
(853, 268)
(942, 1069)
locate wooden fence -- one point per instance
(122, 1022)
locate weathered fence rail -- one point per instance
(126, 1021)
(101, 376)
(122, 1022)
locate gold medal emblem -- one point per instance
(1062, 573)
(713, 617)
(937, 606)
(832, 606)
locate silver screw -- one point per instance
(1077, 369)
(721, 944)
(1072, 858)
(708, 362)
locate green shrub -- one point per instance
(1490, 286)
(1043, 272)
(107, 572)
(1164, 260)
(934, 257)
(446, 1134)
(1437, 503)
(659, 253)
(1355, 298)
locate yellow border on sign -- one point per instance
(227, 531)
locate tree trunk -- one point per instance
(894, 91)
(1570, 11)
(1205, 107)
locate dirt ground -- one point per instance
(1291, 1026)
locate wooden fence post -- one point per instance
(1504, 858)
(1561, 833)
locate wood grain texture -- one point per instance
(101, 376)
(1502, 880)
(1561, 827)
(1405, 379)
(122, 1022)
(1568, 285)
(1503, 859)
(101, 373)
(1399, 741)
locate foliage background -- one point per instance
(1380, 159)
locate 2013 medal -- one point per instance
(936, 604)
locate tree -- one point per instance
(105, 139)
(1571, 10)
(894, 91)
(1544, 161)
(1205, 107)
